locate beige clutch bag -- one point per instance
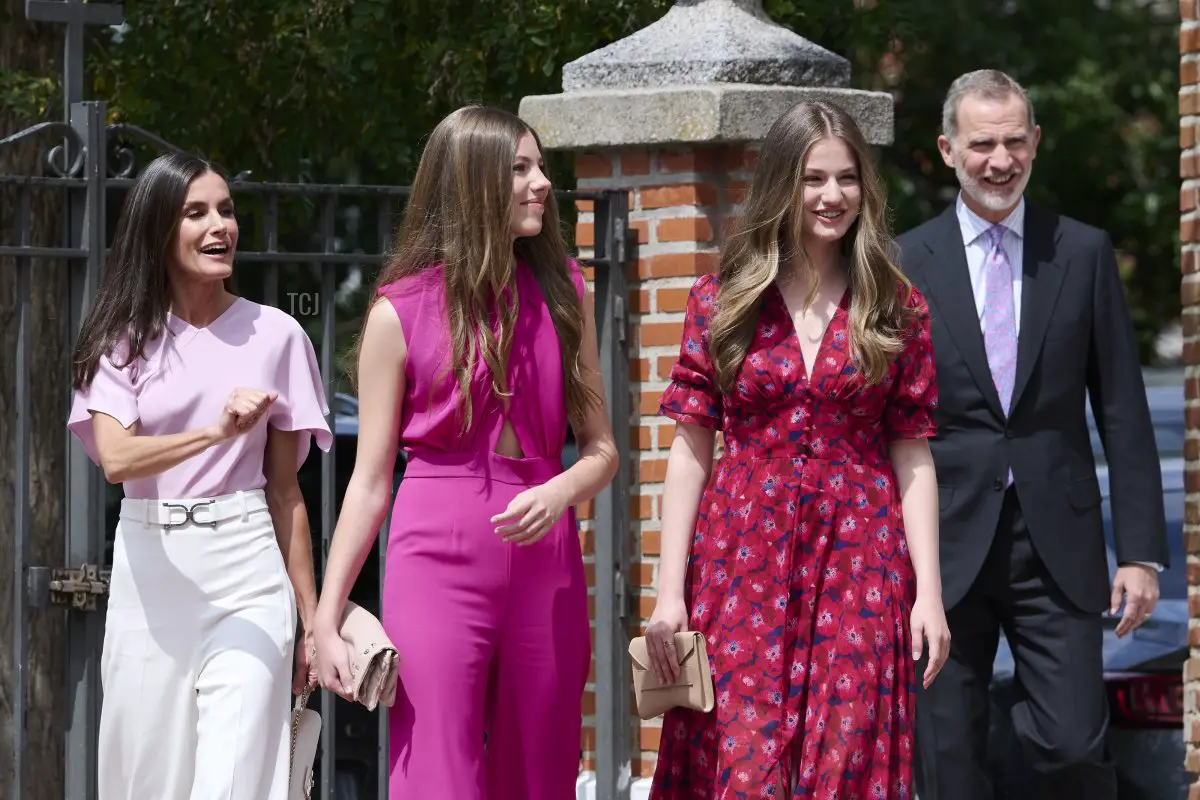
(373, 658)
(692, 688)
(306, 731)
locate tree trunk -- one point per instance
(34, 49)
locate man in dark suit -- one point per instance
(1029, 318)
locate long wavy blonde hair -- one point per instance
(767, 234)
(459, 215)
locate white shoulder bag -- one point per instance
(306, 731)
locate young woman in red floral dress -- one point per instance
(810, 563)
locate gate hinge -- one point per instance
(78, 588)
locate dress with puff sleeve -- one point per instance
(912, 401)
(692, 395)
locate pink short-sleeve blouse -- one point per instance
(182, 384)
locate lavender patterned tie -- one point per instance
(999, 316)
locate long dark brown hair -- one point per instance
(135, 289)
(767, 234)
(459, 216)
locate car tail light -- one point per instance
(1145, 701)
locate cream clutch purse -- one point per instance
(373, 666)
(372, 656)
(306, 731)
(693, 687)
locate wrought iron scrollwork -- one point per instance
(57, 153)
(123, 161)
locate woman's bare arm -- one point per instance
(125, 454)
(369, 493)
(597, 464)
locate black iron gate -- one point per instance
(308, 270)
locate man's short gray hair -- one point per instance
(989, 84)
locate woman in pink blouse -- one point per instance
(202, 405)
(480, 349)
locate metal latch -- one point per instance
(78, 588)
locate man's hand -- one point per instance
(1138, 585)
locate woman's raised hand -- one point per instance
(242, 411)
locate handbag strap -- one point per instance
(298, 711)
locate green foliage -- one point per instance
(346, 90)
(27, 96)
(337, 90)
(1103, 79)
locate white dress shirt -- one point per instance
(973, 229)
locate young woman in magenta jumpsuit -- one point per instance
(480, 349)
(810, 352)
(202, 404)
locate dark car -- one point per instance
(1143, 671)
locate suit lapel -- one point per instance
(1041, 282)
(949, 286)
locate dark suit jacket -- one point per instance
(1075, 337)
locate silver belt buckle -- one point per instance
(189, 515)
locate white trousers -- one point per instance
(197, 659)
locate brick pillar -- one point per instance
(1189, 237)
(674, 113)
(682, 197)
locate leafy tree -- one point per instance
(339, 90)
(334, 90)
(1103, 79)
(28, 83)
(346, 91)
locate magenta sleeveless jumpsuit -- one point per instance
(493, 637)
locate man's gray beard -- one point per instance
(992, 200)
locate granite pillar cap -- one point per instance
(704, 42)
(713, 114)
(709, 71)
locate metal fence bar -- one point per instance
(328, 475)
(271, 230)
(21, 510)
(42, 180)
(85, 248)
(320, 259)
(314, 189)
(383, 229)
(56, 253)
(611, 224)
(85, 529)
(243, 256)
(268, 187)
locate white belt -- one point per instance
(203, 512)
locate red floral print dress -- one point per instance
(799, 576)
